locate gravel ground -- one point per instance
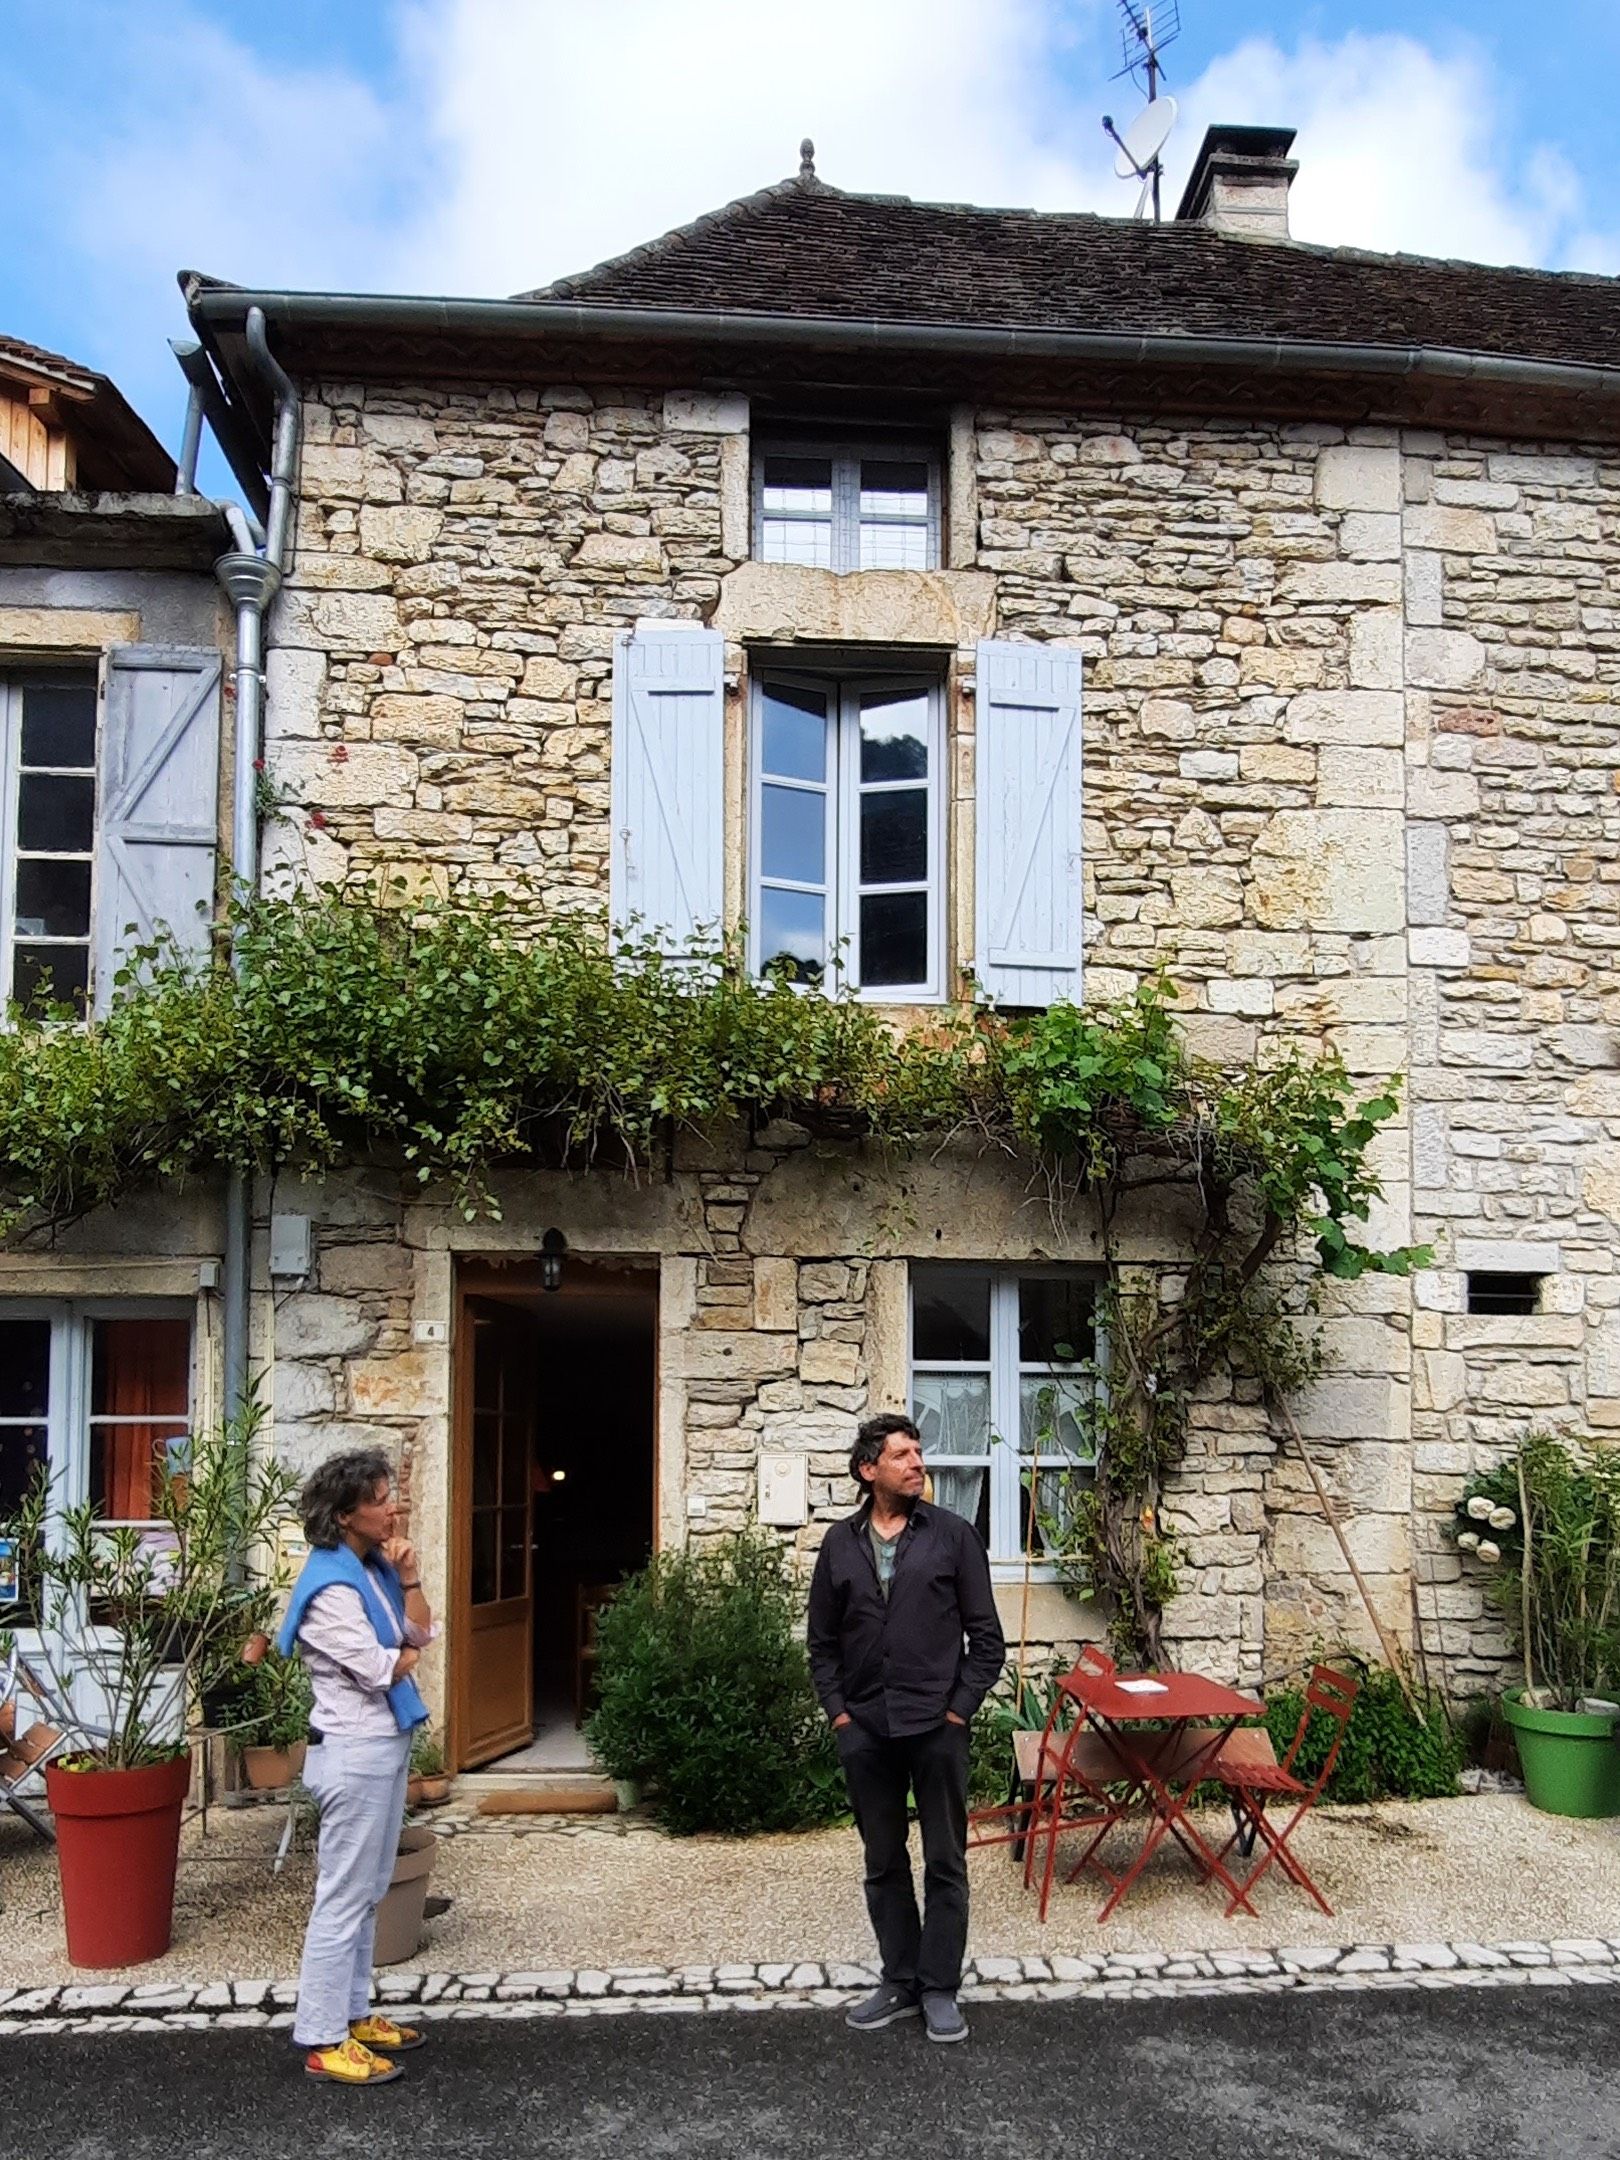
(528, 1894)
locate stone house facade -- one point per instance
(660, 589)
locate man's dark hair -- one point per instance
(870, 1439)
(336, 1487)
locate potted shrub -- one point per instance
(275, 1731)
(428, 1786)
(127, 1622)
(1546, 1523)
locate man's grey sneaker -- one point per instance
(886, 2005)
(943, 2019)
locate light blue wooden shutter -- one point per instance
(157, 819)
(1027, 818)
(668, 859)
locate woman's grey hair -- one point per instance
(338, 1486)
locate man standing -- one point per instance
(904, 1646)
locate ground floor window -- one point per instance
(99, 1393)
(1003, 1366)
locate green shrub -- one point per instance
(1388, 1754)
(705, 1697)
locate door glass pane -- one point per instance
(43, 975)
(55, 813)
(894, 837)
(793, 840)
(59, 724)
(950, 1315)
(514, 1552)
(486, 1466)
(53, 898)
(894, 938)
(952, 1412)
(1055, 1322)
(515, 1464)
(792, 934)
(894, 735)
(484, 1578)
(794, 733)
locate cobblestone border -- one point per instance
(1139, 1976)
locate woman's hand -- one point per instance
(400, 1554)
(406, 1663)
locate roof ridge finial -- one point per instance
(807, 159)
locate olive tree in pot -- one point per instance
(127, 1621)
(1546, 1522)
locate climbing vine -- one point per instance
(458, 1039)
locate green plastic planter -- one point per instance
(1571, 1762)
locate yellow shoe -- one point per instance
(383, 2034)
(350, 2064)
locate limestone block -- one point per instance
(436, 721)
(1600, 1186)
(1528, 1387)
(1207, 899)
(380, 1264)
(1361, 1343)
(698, 412)
(1425, 578)
(1306, 1545)
(1357, 476)
(400, 431)
(1441, 795)
(369, 774)
(1209, 765)
(743, 1356)
(310, 1323)
(404, 533)
(1353, 719)
(1360, 779)
(1444, 659)
(365, 622)
(301, 1391)
(776, 1294)
(332, 472)
(1541, 470)
(403, 1384)
(824, 1282)
(790, 601)
(1440, 1381)
(1477, 494)
(1437, 948)
(1449, 531)
(621, 551)
(1353, 583)
(544, 677)
(1226, 1039)
(295, 690)
(1370, 536)
(1168, 718)
(1354, 1409)
(1586, 1046)
(1239, 995)
(836, 1364)
(1329, 870)
(1375, 661)
(1277, 761)
(1428, 874)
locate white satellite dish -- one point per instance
(1146, 136)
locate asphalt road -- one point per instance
(1458, 2075)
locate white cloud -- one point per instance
(1402, 148)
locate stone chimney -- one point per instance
(1240, 182)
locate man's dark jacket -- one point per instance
(898, 1664)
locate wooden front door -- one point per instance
(495, 1450)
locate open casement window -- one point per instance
(99, 1393)
(868, 505)
(847, 832)
(1003, 1368)
(47, 836)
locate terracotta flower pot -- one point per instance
(399, 1916)
(435, 1791)
(117, 1848)
(268, 1769)
(413, 1792)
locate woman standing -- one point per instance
(360, 1620)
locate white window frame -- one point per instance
(15, 678)
(843, 790)
(1003, 1466)
(845, 455)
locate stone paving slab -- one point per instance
(1150, 1976)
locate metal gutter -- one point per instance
(223, 308)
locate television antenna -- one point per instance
(1146, 29)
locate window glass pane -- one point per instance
(792, 934)
(797, 540)
(952, 1412)
(55, 814)
(894, 547)
(950, 1315)
(793, 838)
(894, 735)
(965, 1491)
(894, 938)
(43, 975)
(794, 733)
(53, 898)
(894, 837)
(59, 724)
(484, 1581)
(25, 1368)
(1055, 1321)
(797, 483)
(1049, 1411)
(897, 486)
(22, 1450)
(140, 1392)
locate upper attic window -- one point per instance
(868, 505)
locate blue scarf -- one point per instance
(375, 1581)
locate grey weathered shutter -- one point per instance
(1027, 817)
(668, 857)
(157, 824)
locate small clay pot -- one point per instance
(435, 1791)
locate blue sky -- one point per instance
(489, 145)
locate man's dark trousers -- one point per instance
(924, 1956)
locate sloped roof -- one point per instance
(803, 248)
(114, 448)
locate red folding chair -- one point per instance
(1248, 1767)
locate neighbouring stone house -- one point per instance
(1044, 597)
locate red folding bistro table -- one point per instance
(1191, 1720)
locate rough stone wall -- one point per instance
(439, 685)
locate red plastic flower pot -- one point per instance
(117, 1846)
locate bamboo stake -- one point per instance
(1391, 1649)
(1029, 1559)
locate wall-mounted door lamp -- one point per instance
(552, 1248)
